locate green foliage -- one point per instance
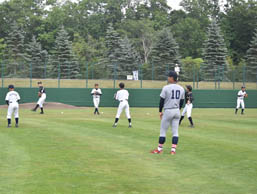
(190, 67)
(64, 63)
(214, 54)
(37, 58)
(252, 57)
(165, 53)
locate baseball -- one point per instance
(61, 112)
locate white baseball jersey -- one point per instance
(172, 94)
(12, 97)
(177, 69)
(122, 95)
(241, 95)
(96, 93)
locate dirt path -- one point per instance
(48, 105)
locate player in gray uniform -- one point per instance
(12, 100)
(172, 99)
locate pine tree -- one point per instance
(252, 58)
(114, 50)
(64, 58)
(36, 57)
(14, 52)
(131, 59)
(165, 53)
(214, 54)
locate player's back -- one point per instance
(122, 95)
(12, 96)
(172, 94)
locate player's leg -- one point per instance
(183, 114)
(9, 115)
(127, 111)
(237, 106)
(174, 128)
(165, 123)
(119, 111)
(16, 116)
(37, 105)
(41, 105)
(243, 106)
(95, 105)
(189, 113)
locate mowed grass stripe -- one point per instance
(76, 152)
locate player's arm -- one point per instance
(7, 99)
(92, 92)
(161, 104)
(181, 102)
(18, 98)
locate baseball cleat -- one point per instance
(8, 126)
(191, 126)
(16, 125)
(156, 151)
(114, 126)
(41, 113)
(33, 110)
(130, 126)
(172, 153)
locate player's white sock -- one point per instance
(160, 147)
(173, 148)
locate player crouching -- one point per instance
(42, 98)
(122, 96)
(12, 99)
(171, 100)
(188, 107)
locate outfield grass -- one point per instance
(79, 153)
(67, 83)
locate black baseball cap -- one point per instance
(173, 74)
(11, 86)
(243, 87)
(189, 87)
(122, 85)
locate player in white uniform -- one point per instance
(12, 99)
(122, 96)
(96, 93)
(42, 98)
(188, 107)
(177, 69)
(172, 99)
(240, 100)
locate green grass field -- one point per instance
(68, 83)
(79, 153)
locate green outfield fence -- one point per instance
(138, 97)
(108, 76)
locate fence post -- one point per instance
(152, 71)
(197, 79)
(141, 76)
(86, 74)
(244, 75)
(114, 76)
(59, 75)
(234, 79)
(45, 69)
(92, 70)
(30, 75)
(2, 74)
(194, 76)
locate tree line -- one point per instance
(57, 39)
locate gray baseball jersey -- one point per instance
(172, 94)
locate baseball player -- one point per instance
(177, 69)
(240, 99)
(172, 99)
(122, 96)
(12, 99)
(96, 93)
(188, 107)
(42, 98)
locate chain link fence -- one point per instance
(108, 76)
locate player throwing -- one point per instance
(96, 93)
(122, 96)
(42, 98)
(240, 100)
(188, 107)
(12, 99)
(172, 99)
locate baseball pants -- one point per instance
(13, 108)
(240, 102)
(170, 118)
(188, 109)
(123, 105)
(96, 102)
(41, 100)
